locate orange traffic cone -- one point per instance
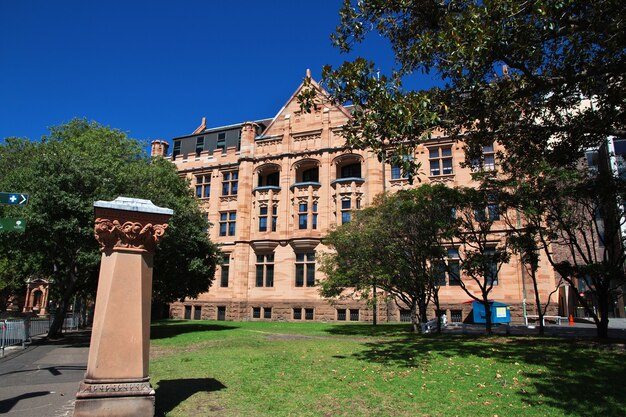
(571, 320)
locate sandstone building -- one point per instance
(272, 188)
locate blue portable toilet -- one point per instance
(500, 312)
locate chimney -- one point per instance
(159, 148)
(248, 133)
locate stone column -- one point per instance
(116, 382)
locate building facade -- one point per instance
(273, 188)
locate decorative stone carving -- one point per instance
(311, 135)
(113, 389)
(442, 180)
(111, 234)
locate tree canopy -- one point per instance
(395, 246)
(511, 71)
(544, 80)
(81, 162)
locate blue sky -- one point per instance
(154, 68)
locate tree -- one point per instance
(81, 162)
(396, 245)
(554, 54)
(575, 221)
(482, 242)
(543, 79)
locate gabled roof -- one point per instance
(325, 100)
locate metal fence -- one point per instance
(19, 331)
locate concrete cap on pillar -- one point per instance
(133, 204)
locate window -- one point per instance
(175, 149)
(450, 275)
(267, 312)
(199, 145)
(265, 270)
(203, 186)
(405, 315)
(303, 215)
(489, 158)
(230, 183)
(491, 267)
(221, 141)
(221, 313)
(490, 212)
(351, 171)
(493, 209)
(354, 314)
(311, 175)
(228, 223)
(225, 270)
(346, 205)
(274, 217)
(305, 269)
(272, 179)
(341, 314)
(256, 312)
(197, 312)
(456, 316)
(308, 314)
(206, 222)
(263, 219)
(454, 269)
(439, 273)
(187, 312)
(440, 159)
(488, 162)
(297, 313)
(396, 170)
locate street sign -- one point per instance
(16, 199)
(12, 225)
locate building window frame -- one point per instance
(230, 183)
(221, 141)
(175, 149)
(264, 270)
(346, 210)
(225, 270)
(440, 160)
(199, 145)
(305, 269)
(203, 186)
(228, 223)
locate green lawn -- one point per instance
(209, 368)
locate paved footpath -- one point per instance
(42, 379)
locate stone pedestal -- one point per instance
(116, 383)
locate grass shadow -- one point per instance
(171, 392)
(368, 330)
(576, 379)
(164, 330)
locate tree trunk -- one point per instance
(56, 327)
(533, 275)
(487, 315)
(375, 307)
(437, 308)
(415, 326)
(602, 325)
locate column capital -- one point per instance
(129, 224)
